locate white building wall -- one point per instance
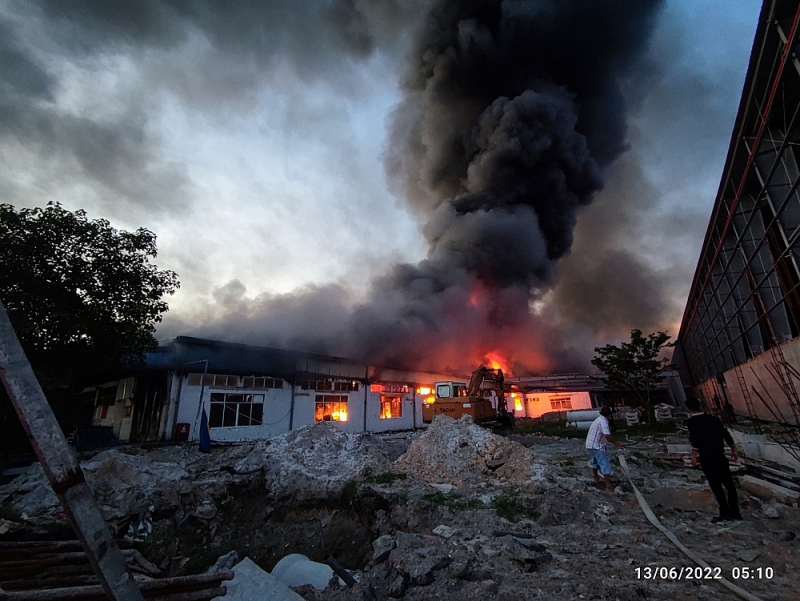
(305, 405)
(297, 407)
(405, 422)
(275, 420)
(760, 373)
(536, 404)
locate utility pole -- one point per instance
(61, 467)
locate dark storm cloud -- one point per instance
(311, 34)
(118, 155)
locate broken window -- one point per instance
(560, 403)
(391, 406)
(332, 385)
(261, 382)
(401, 388)
(225, 381)
(230, 410)
(331, 408)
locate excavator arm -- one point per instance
(494, 378)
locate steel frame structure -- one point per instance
(745, 296)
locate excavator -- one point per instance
(475, 399)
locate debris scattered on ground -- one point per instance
(461, 514)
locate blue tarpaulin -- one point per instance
(205, 435)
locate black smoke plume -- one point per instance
(511, 110)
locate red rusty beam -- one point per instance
(750, 158)
(61, 467)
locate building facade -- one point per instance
(739, 341)
(251, 393)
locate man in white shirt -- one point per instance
(599, 433)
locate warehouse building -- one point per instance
(250, 393)
(739, 341)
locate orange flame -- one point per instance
(497, 361)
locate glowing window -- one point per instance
(559, 404)
(233, 410)
(391, 406)
(331, 408)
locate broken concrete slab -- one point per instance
(382, 546)
(251, 582)
(297, 570)
(757, 446)
(769, 491)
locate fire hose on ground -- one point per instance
(674, 539)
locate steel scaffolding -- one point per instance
(745, 297)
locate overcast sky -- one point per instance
(253, 141)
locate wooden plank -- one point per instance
(25, 584)
(61, 467)
(166, 589)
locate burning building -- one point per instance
(251, 392)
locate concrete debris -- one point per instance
(444, 531)
(769, 491)
(225, 562)
(459, 452)
(382, 546)
(251, 583)
(297, 570)
(315, 462)
(451, 529)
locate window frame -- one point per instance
(222, 410)
(393, 400)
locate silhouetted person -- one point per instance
(708, 436)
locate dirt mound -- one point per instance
(315, 462)
(459, 452)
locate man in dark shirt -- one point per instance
(707, 435)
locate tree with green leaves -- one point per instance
(81, 295)
(634, 366)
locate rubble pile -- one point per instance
(315, 462)
(123, 485)
(476, 516)
(310, 464)
(459, 452)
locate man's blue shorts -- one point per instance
(600, 461)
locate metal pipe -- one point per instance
(61, 467)
(202, 389)
(291, 405)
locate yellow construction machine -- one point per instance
(483, 399)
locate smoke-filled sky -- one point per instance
(427, 183)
